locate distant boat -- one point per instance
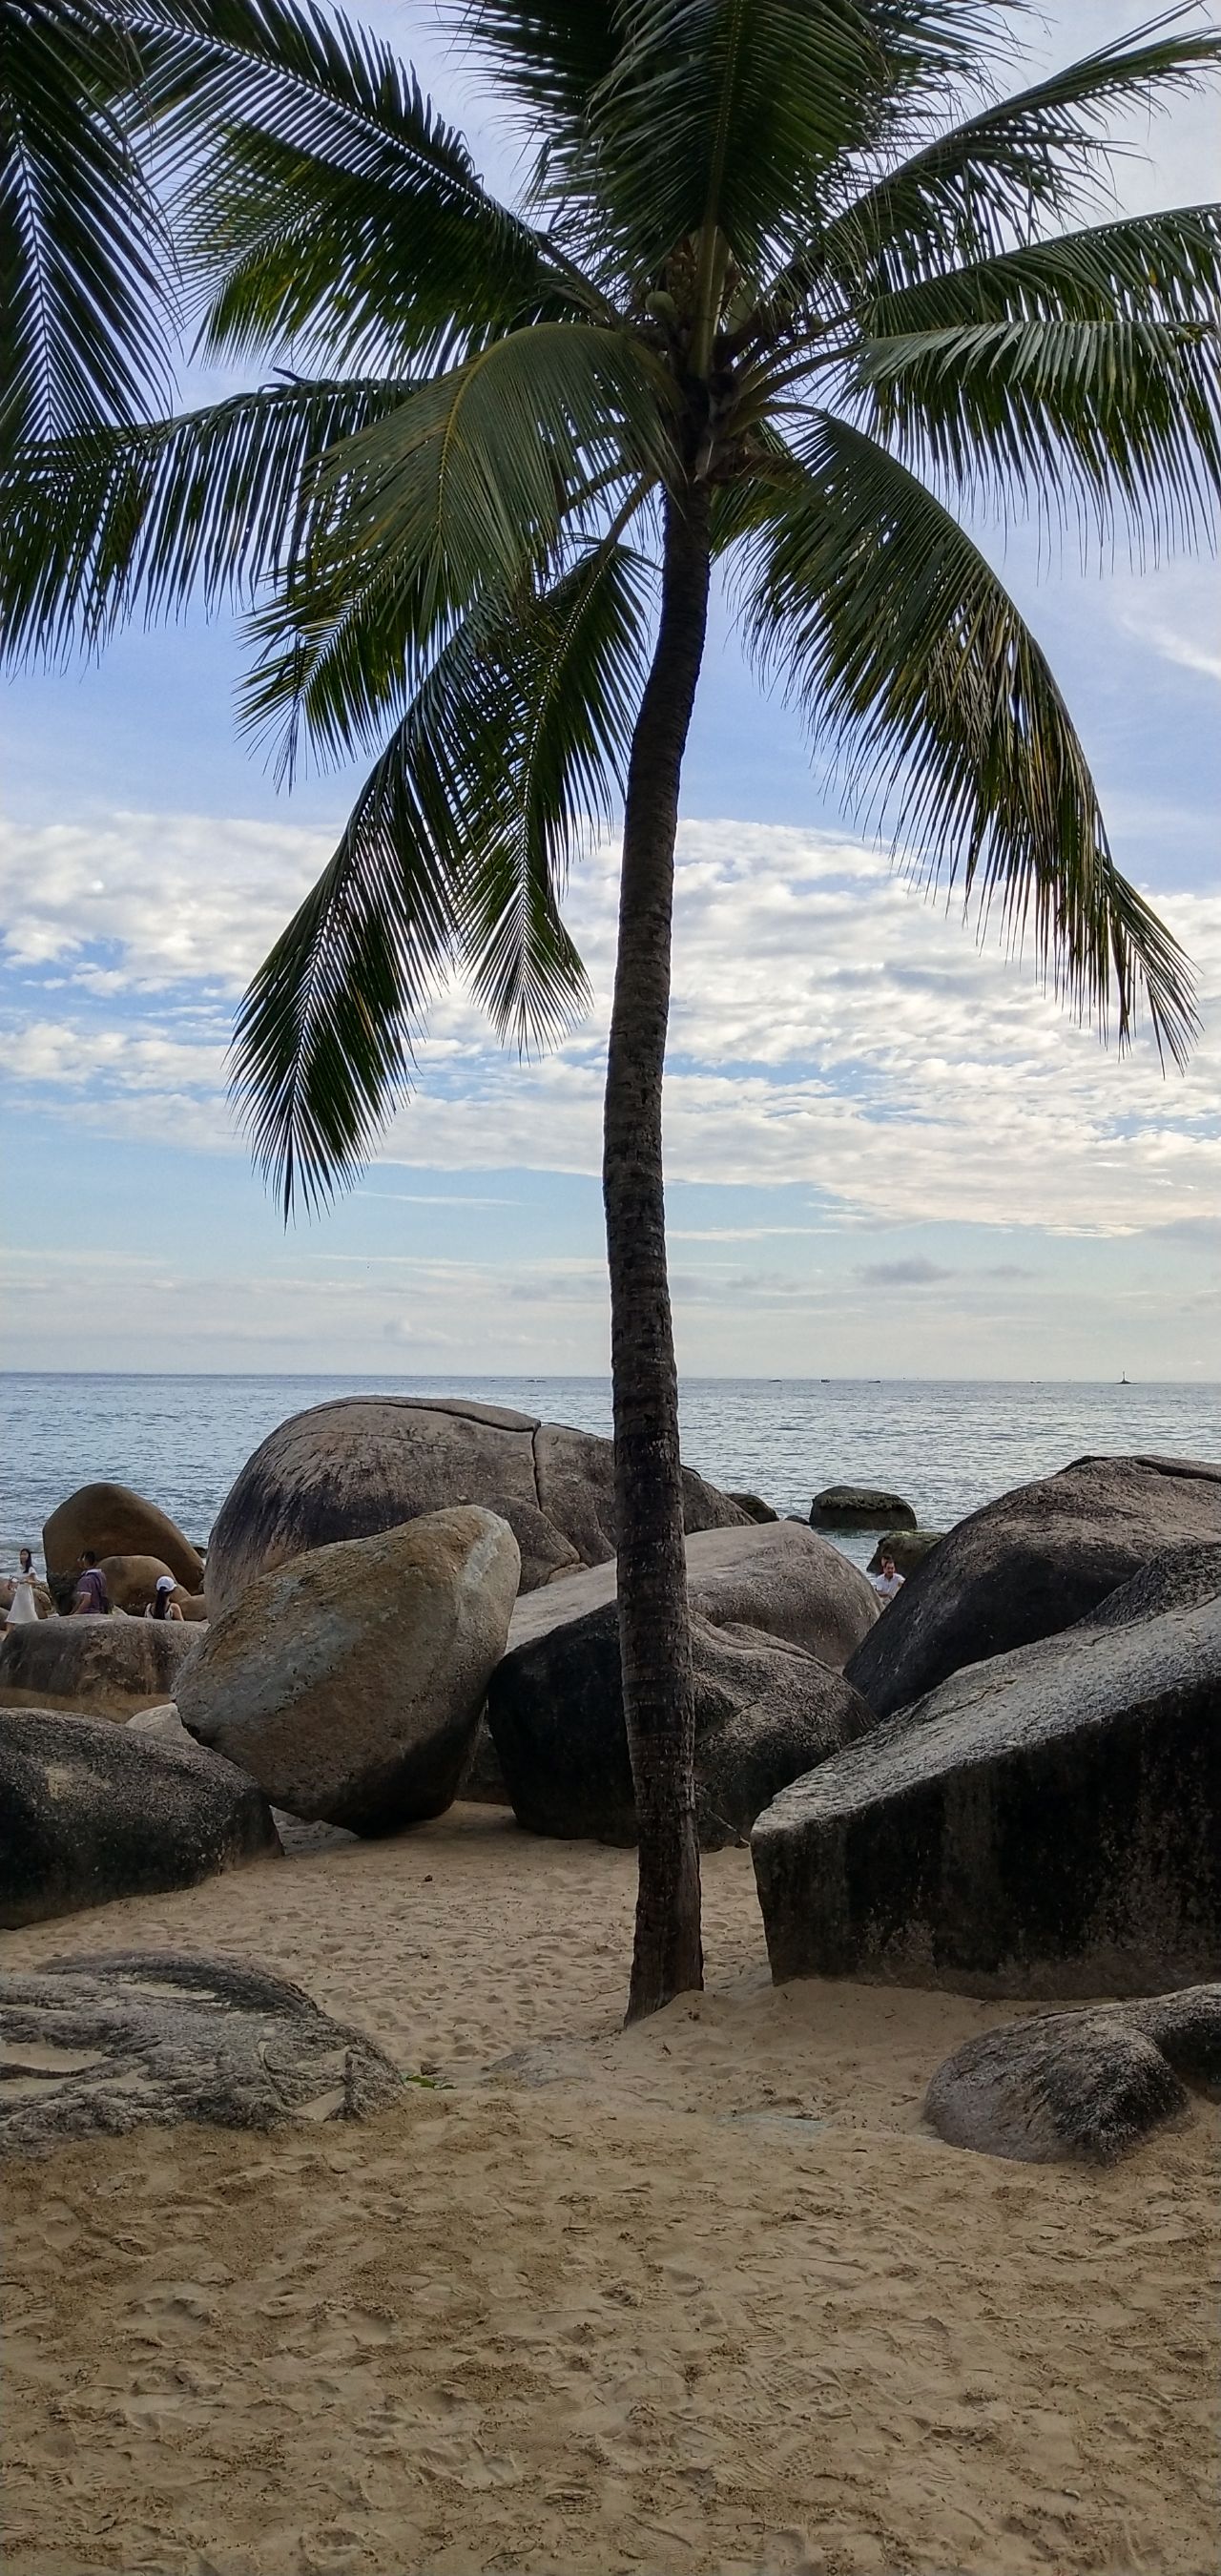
(1125, 1381)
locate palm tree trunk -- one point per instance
(654, 1626)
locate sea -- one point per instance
(945, 1445)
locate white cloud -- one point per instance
(830, 1028)
(1181, 650)
(168, 899)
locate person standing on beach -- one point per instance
(92, 1598)
(888, 1580)
(23, 1607)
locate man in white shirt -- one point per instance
(889, 1580)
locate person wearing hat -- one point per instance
(163, 1604)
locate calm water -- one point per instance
(947, 1446)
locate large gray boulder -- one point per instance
(776, 1575)
(1030, 1564)
(114, 1521)
(349, 1683)
(99, 1667)
(366, 1463)
(765, 1711)
(1085, 2085)
(128, 2038)
(88, 1812)
(1046, 1823)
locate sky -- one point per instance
(889, 1152)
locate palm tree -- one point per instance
(787, 282)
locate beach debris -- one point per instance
(114, 1521)
(860, 1507)
(348, 1469)
(1031, 1563)
(121, 2040)
(349, 1682)
(1045, 1823)
(89, 1812)
(765, 1712)
(97, 1667)
(1086, 2085)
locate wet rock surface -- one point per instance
(860, 1507)
(123, 2040)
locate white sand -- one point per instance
(606, 2307)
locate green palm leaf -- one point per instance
(971, 192)
(468, 489)
(209, 503)
(455, 854)
(909, 658)
(1115, 413)
(84, 303)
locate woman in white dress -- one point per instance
(23, 1607)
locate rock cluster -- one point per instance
(114, 1521)
(765, 1712)
(1033, 1562)
(1008, 1784)
(366, 1463)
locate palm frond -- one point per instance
(911, 661)
(998, 178)
(85, 270)
(1113, 415)
(292, 131)
(469, 491)
(572, 679)
(115, 522)
(718, 120)
(1163, 267)
(454, 854)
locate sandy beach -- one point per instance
(700, 2296)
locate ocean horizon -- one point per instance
(947, 1445)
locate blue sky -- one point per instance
(888, 1152)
